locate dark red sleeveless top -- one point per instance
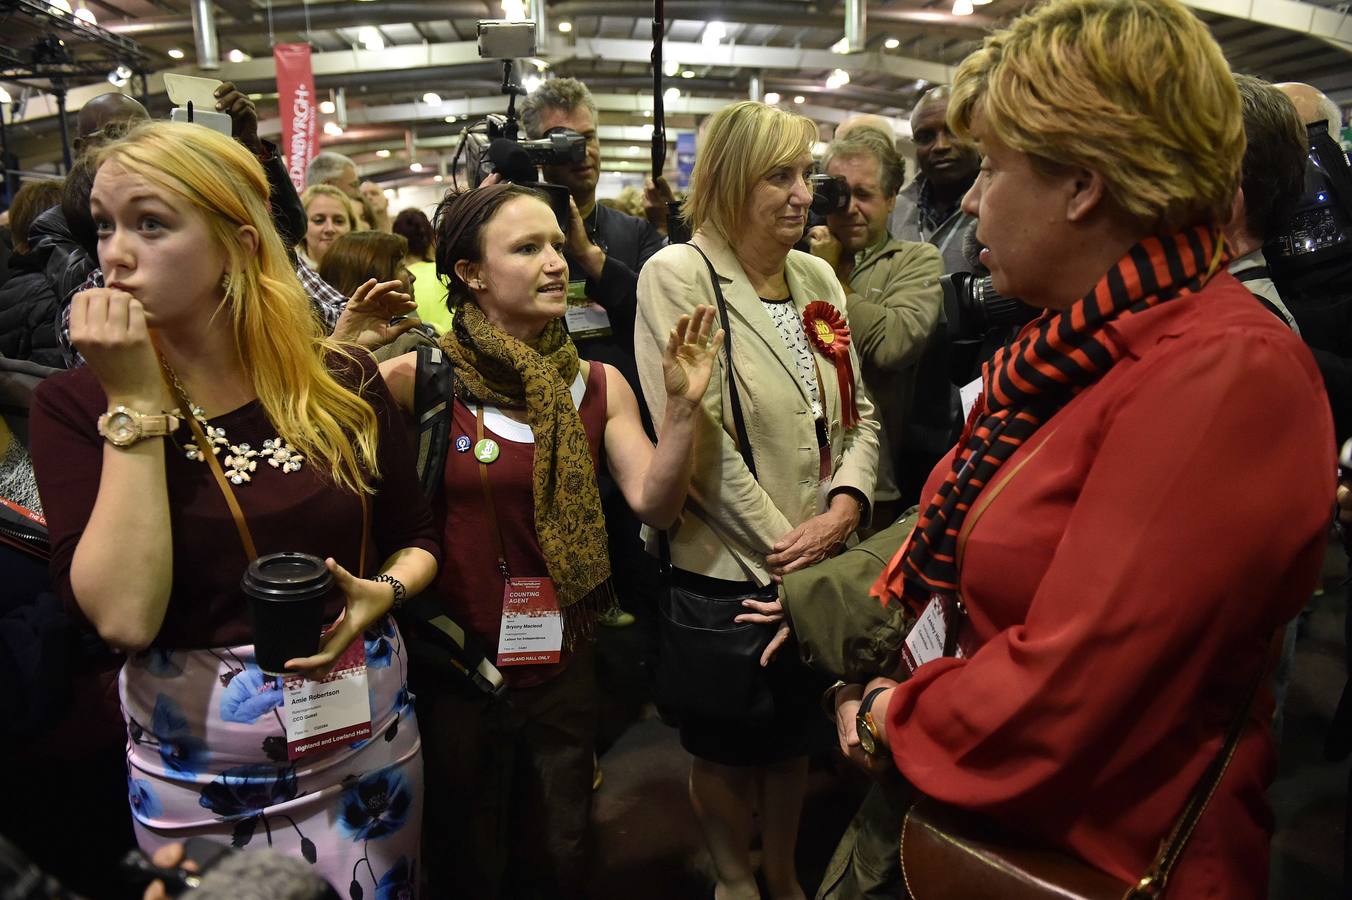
(469, 581)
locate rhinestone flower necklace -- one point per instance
(240, 460)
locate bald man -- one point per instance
(102, 111)
(1313, 105)
(880, 124)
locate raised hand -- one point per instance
(109, 329)
(366, 318)
(688, 360)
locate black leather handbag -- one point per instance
(709, 664)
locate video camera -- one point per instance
(974, 308)
(493, 144)
(1319, 229)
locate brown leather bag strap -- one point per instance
(1171, 848)
(204, 448)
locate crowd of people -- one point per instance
(1036, 569)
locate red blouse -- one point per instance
(1124, 588)
(469, 580)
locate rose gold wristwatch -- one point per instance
(123, 427)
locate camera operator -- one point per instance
(1271, 180)
(928, 210)
(605, 250)
(895, 304)
(1309, 254)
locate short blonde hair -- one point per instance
(1135, 90)
(308, 195)
(743, 143)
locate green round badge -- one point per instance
(486, 450)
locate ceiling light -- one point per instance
(4, 96)
(237, 56)
(438, 179)
(62, 5)
(670, 68)
(688, 73)
(85, 15)
(175, 53)
(634, 150)
(800, 99)
(415, 167)
(565, 26)
(432, 98)
(893, 43)
(514, 10)
(962, 7)
(333, 129)
(328, 107)
(449, 120)
(531, 82)
(370, 38)
(671, 94)
(713, 33)
(772, 98)
(119, 76)
(839, 77)
(647, 114)
(841, 46)
(383, 154)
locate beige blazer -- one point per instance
(732, 520)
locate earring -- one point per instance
(226, 282)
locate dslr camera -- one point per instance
(830, 194)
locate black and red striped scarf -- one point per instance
(1027, 382)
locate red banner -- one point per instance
(298, 108)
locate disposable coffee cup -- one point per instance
(287, 594)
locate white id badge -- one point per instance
(969, 393)
(322, 715)
(926, 639)
(532, 626)
(583, 318)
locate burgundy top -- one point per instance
(301, 510)
(469, 581)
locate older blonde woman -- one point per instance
(811, 438)
(1140, 497)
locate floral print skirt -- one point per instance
(206, 756)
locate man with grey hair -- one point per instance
(930, 208)
(336, 169)
(605, 249)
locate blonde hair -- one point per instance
(743, 143)
(1135, 90)
(280, 338)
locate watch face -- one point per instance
(120, 428)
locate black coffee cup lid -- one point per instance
(287, 576)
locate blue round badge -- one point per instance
(462, 444)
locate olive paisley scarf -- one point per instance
(493, 368)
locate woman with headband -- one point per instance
(527, 567)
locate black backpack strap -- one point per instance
(433, 396)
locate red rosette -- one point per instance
(830, 336)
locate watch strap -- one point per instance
(864, 719)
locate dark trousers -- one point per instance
(509, 788)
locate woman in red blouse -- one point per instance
(1140, 497)
(203, 316)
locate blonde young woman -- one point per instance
(812, 438)
(329, 214)
(201, 297)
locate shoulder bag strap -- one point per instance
(738, 422)
(241, 524)
(1152, 883)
